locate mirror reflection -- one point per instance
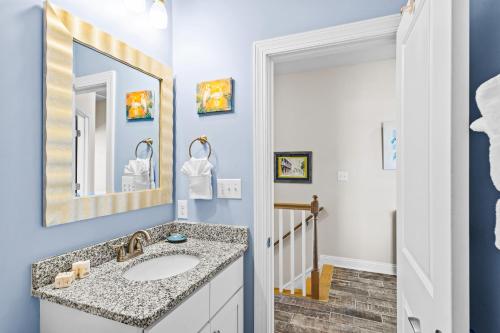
(116, 121)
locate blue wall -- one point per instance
(484, 257)
(127, 133)
(23, 239)
(213, 39)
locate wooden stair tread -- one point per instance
(287, 292)
(325, 281)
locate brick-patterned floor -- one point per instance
(360, 302)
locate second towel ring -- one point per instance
(203, 140)
(149, 143)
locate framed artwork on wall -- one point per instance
(140, 105)
(215, 96)
(390, 145)
(293, 167)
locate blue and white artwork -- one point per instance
(390, 145)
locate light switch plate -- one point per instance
(342, 176)
(182, 209)
(229, 188)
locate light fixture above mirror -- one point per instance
(158, 15)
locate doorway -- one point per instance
(94, 133)
(340, 112)
(336, 42)
(268, 55)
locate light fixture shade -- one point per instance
(136, 6)
(158, 15)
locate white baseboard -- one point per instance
(361, 265)
(357, 264)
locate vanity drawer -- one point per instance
(225, 285)
(189, 317)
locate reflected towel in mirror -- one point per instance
(138, 172)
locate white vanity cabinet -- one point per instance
(216, 307)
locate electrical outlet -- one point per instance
(182, 209)
(229, 188)
(342, 176)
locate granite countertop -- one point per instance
(108, 294)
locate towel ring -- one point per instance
(203, 140)
(147, 141)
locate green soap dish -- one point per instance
(176, 238)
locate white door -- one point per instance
(426, 182)
(229, 319)
(85, 105)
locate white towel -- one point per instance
(488, 101)
(139, 169)
(199, 171)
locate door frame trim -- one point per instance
(266, 54)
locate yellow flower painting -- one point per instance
(215, 96)
(140, 105)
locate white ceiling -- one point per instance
(328, 57)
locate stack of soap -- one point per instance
(81, 269)
(64, 280)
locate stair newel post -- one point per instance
(315, 271)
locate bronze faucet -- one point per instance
(134, 246)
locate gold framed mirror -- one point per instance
(98, 159)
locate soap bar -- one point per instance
(64, 280)
(81, 269)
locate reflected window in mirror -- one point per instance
(116, 122)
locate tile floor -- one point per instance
(360, 302)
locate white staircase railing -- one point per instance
(291, 210)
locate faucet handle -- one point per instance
(120, 252)
(138, 246)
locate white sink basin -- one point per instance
(161, 267)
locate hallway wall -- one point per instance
(337, 113)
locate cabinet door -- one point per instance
(189, 317)
(230, 317)
(225, 285)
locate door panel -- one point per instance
(424, 45)
(230, 318)
(85, 105)
(416, 143)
